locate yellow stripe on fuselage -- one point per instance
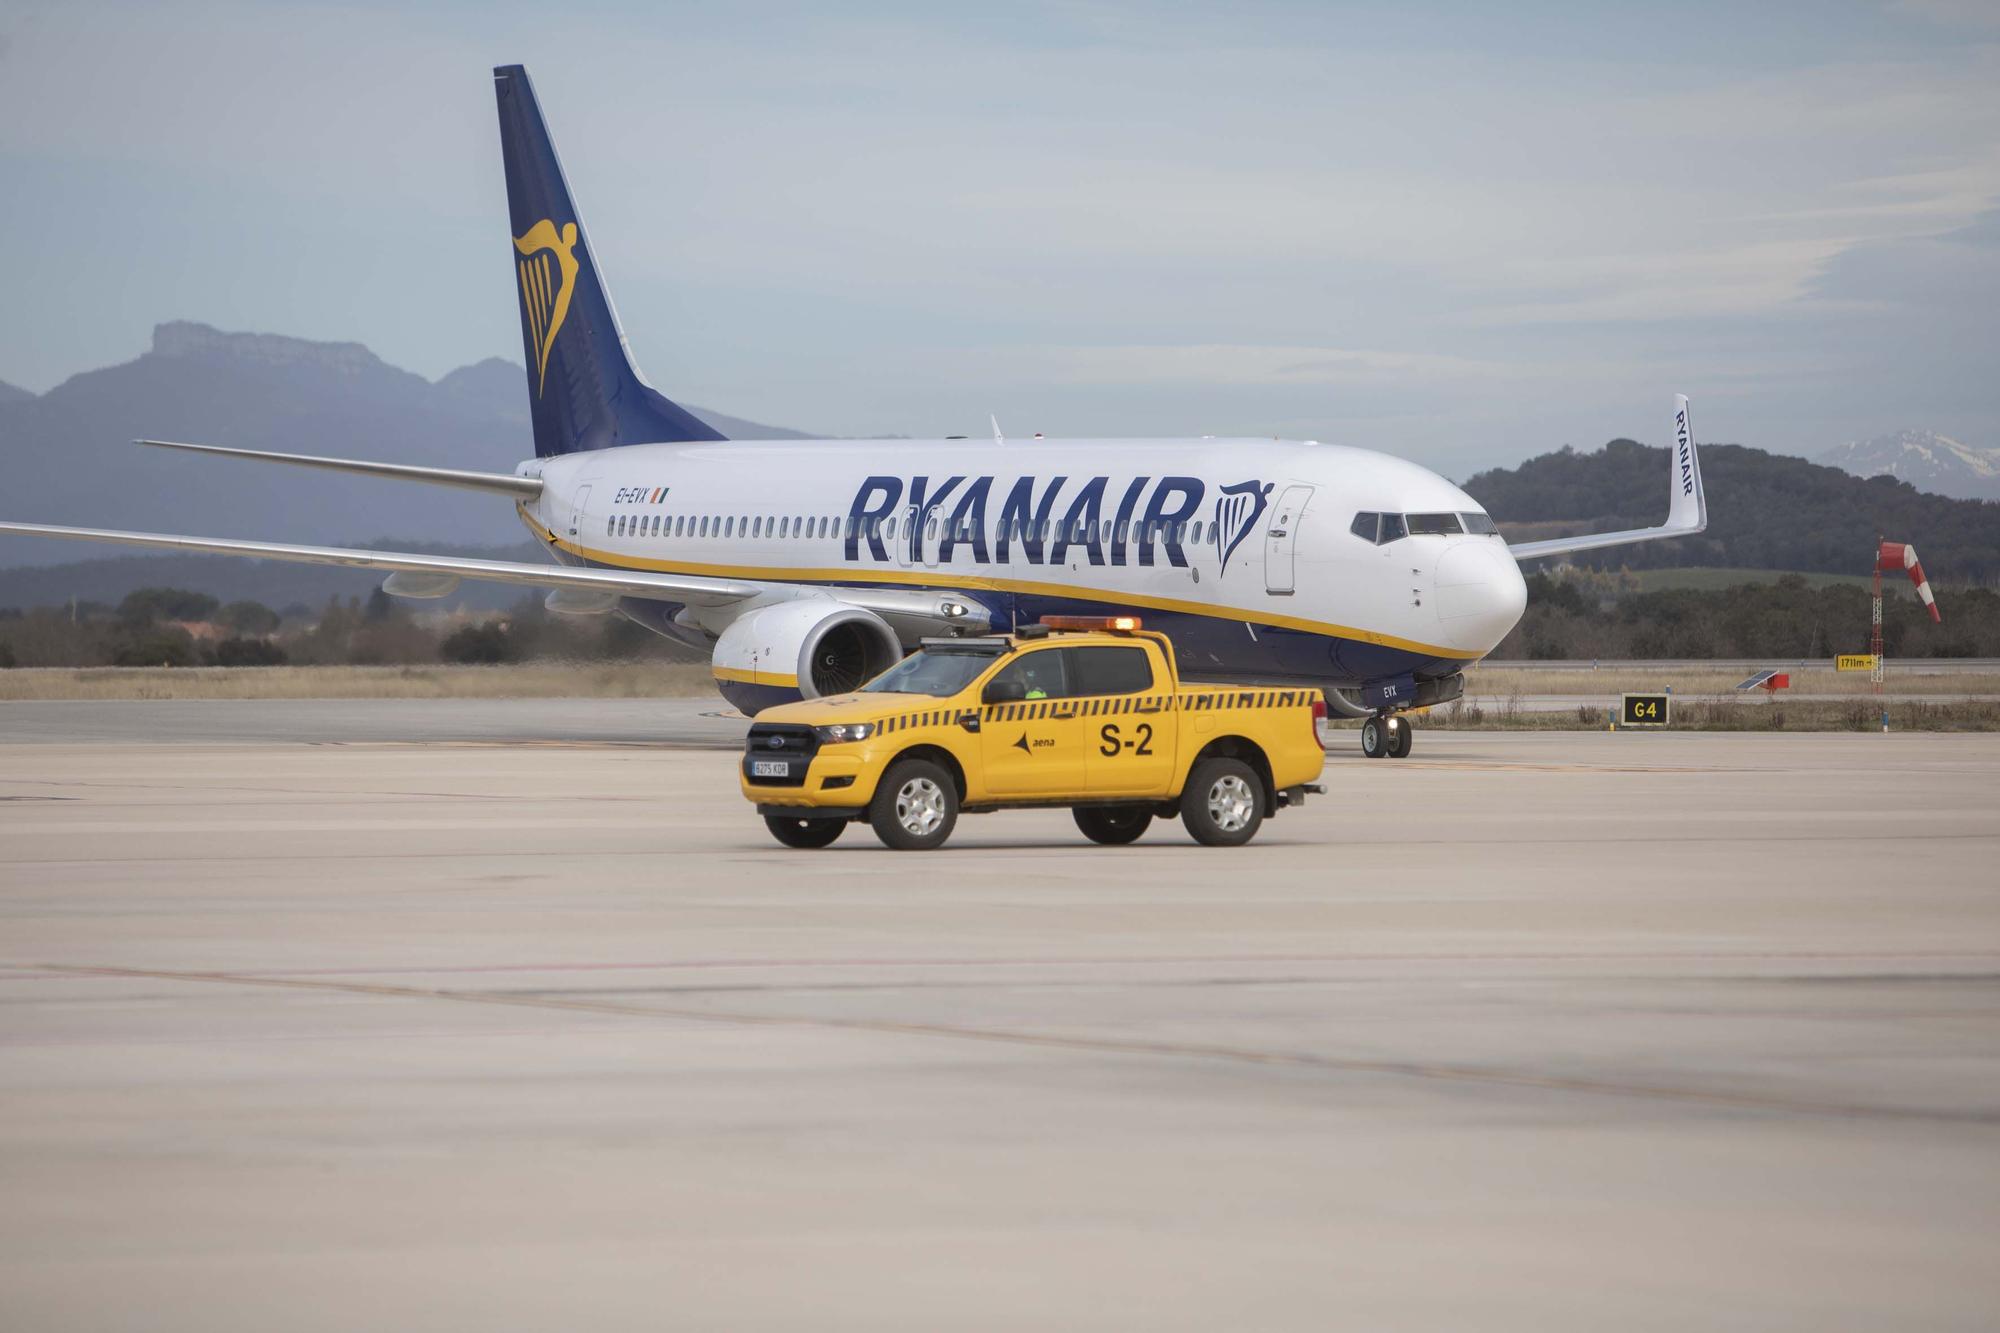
(930, 578)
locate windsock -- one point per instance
(1897, 555)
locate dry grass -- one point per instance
(1820, 701)
(1529, 682)
(541, 680)
(1855, 714)
(1707, 700)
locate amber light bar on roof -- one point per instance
(1116, 624)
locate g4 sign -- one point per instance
(1644, 710)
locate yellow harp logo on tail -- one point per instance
(548, 273)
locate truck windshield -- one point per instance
(934, 671)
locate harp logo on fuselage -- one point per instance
(547, 268)
(1237, 510)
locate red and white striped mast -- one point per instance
(1894, 556)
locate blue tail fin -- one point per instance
(583, 390)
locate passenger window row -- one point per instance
(814, 527)
(724, 525)
(1381, 529)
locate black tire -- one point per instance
(1401, 737)
(1113, 825)
(1223, 803)
(804, 833)
(1374, 741)
(916, 806)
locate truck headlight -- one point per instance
(845, 731)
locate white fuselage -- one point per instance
(1222, 538)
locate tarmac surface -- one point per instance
(311, 1025)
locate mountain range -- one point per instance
(1925, 459)
(68, 457)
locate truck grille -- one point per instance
(777, 743)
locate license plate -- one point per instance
(770, 768)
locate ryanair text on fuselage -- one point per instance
(1140, 520)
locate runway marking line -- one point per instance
(1423, 1070)
(1179, 960)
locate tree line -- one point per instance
(178, 627)
(1572, 614)
(1572, 617)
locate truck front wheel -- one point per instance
(1113, 825)
(1223, 803)
(915, 806)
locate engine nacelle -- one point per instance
(800, 650)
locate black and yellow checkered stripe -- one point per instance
(1190, 702)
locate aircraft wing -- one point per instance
(912, 612)
(1687, 506)
(685, 588)
(523, 488)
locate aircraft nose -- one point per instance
(1480, 593)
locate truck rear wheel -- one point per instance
(796, 832)
(1223, 803)
(915, 807)
(1113, 825)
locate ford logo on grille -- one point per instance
(777, 742)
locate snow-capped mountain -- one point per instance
(1927, 460)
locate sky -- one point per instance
(1464, 233)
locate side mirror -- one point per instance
(1003, 692)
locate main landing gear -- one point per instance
(1387, 735)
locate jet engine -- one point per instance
(801, 648)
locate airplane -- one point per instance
(805, 567)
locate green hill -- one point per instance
(1765, 511)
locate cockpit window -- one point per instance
(1382, 529)
(1433, 525)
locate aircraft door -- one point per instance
(579, 511)
(1281, 535)
(905, 540)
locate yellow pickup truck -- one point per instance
(1085, 713)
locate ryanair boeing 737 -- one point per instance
(804, 567)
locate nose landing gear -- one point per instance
(1386, 735)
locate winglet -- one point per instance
(1687, 510)
(1687, 502)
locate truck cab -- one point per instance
(1090, 714)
